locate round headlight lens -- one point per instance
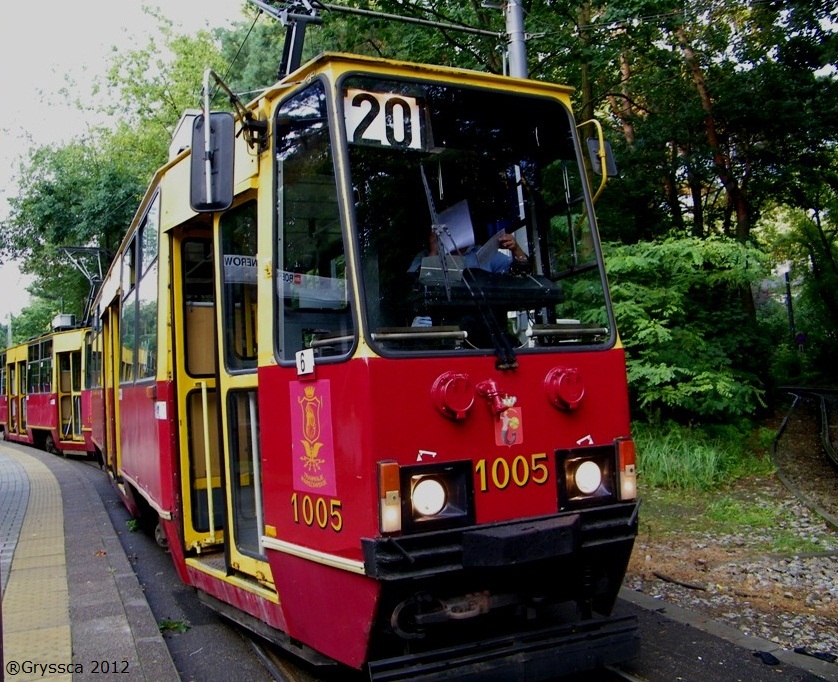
(428, 497)
(588, 477)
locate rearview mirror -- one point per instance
(596, 163)
(211, 170)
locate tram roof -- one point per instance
(340, 62)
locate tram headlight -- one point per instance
(422, 497)
(588, 477)
(428, 497)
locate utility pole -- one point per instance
(517, 39)
(304, 12)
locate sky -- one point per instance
(44, 45)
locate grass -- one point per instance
(174, 626)
(730, 514)
(717, 513)
(671, 456)
(686, 476)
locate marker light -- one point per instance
(390, 509)
(628, 471)
(429, 497)
(588, 477)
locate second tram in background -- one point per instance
(369, 425)
(42, 398)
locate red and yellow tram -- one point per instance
(43, 401)
(370, 425)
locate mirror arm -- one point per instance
(600, 153)
(207, 143)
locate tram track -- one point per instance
(802, 476)
(284, 670)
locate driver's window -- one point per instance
(311, 284)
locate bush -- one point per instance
(693, 350)
(688, 458)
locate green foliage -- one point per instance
(675, 457)
(806, 241)
(691, 352)
(152, 85)
(718, 114)
(85, 193)
(176, 626)
(33, 320)
(728, 511)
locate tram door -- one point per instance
(17, 398)
(194, 311)
(236, 270)
(69, 394)
(110, 367)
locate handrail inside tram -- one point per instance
(207, 460)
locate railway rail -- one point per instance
(799, 483)
(828, 404)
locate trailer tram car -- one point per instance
(365, 429)
(43, 401)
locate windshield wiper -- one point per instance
(503, 349)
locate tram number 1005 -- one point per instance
(317, 511)
(521, 471)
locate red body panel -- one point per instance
(308, 591)
(384, 409)
(381, 409)
(144, 442)
(42, 411)
(256, 606)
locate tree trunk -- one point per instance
(721, 158)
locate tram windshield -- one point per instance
(473, 220)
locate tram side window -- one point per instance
(312, 297)
(2, 374)
(198, 286)
(90, 371)
(95, 363)
(127, 321)
(40, 367)
(238, 246)
(147, 294)
(147, 324)
(138, 324)
(34, 368)
(46, 366)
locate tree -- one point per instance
(717, 103)
(34, 320)
(69, 196)
(86, 192)
(689, 354)
(807, 240)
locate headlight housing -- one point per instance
(425, 496)
(588, 476)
